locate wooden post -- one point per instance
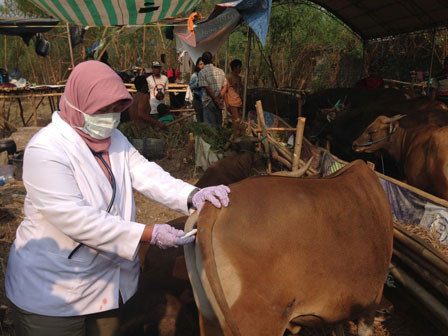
(264, 132)
(70, 46)
(298, 145)
(34, 111)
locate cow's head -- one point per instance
(377, 134)
(325, 116)
(244, 143)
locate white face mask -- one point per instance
(98, 126)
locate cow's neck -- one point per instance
(398, 144)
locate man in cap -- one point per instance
(157, 83)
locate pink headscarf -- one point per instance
(90, 87)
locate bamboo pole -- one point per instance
(70, 46)
(298, 145)
(430, 302)
(277, 129)
(264, 132)
(278, 158)
(417, 258)
(181, 119)
(423, 273)
(246, 77)
(440, 264)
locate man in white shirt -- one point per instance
(157, 83)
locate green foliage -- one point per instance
(216, 137)
(306, 48)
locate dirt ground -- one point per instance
(401, 321)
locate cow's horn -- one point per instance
(297, 173)
(397, 117)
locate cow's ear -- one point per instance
(397, 117)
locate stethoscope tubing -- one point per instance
(111, 202)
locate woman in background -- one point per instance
(196, 89)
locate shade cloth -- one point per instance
(114, 12)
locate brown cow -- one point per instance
(291, 252)
(421, 151)
(163, 304)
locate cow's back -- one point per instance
(310, 250)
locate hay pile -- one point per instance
(431, 238)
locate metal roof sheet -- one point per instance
(380, 18)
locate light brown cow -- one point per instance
(291, 252)
(421, 151)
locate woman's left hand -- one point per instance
(217, 195)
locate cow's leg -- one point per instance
(339, 330)
(365, 323)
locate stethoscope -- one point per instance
(114, 191)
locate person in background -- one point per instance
(157, 84)
(164, 116)
(232, 92)
(74, 260)
(440, 84)
(196, 90)
(140, 110)
(373, 81)
(211, 79)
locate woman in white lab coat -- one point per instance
(74, 259)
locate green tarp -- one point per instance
(114, 12)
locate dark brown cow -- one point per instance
(291, 252)
(228, 170)
(421, 151)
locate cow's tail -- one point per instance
(206, 225)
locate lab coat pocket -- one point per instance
(83, 255)
(66, 273)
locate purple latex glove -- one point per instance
(165, 236)
(217, 195)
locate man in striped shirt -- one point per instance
(212, 79)
(440, 84)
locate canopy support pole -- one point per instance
(227, 56)
(364, 47)
(70, 46)
(432, 60)
(249, 39)
(143, 51)
(6, 63)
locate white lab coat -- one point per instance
(66, 201)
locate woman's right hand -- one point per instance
(165, 236)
